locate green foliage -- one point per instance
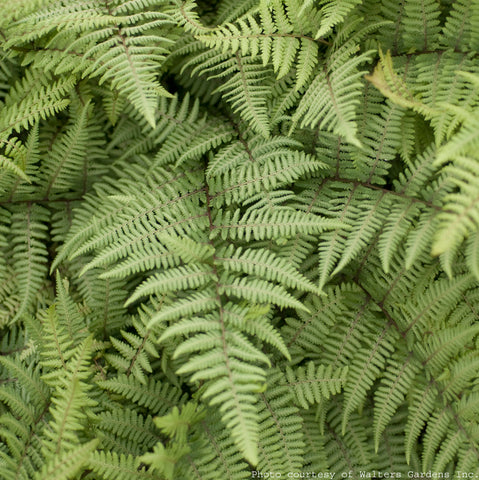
(238, 237)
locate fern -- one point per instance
(281, 440)
(118, 41)
(330, 100)
(29, 253)
(114, 466)
(312, 385)
(134, 352)
(421, 25)
(239, 239)
(271, 37)
(33, 99)
(333, 13)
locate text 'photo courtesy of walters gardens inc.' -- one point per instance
(239, 239)
(363, 474)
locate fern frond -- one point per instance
(263, 224)
(214, 454)
(112, 466)
(68, 402)
(315, 383)
(360, 221)
(272, 38)
(126, 429)
(130, 64)
(24, 409)
(398, 377)
(230, 373)
(242, 170)
(9, 165)
(246, 91)
(18, 157)
(315, 456)
(349, 451)
(34, 389)
(457, 30)
(123, 46)
(164, 459)
(68, 463)
(329, 102)
(195, 303)
(28, 229)
(461, 144)
(110, 220)
(140, 234)
(421, 24)
(281, 440)
(391, 85)
(231, 10)
(174, 279)
(32, 100)
(156, 396)
(333, 13)
(56, 345)
(177, 423)
(104, 301)
(364, 370)
(446, 84)
(67, 155)
(264, 264)
(440, 350)
(135, 352)
(303, 335)
(259, 291)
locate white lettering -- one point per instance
(428, 474)
(258, 474)
(378, 474)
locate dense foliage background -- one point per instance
(239, 239)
